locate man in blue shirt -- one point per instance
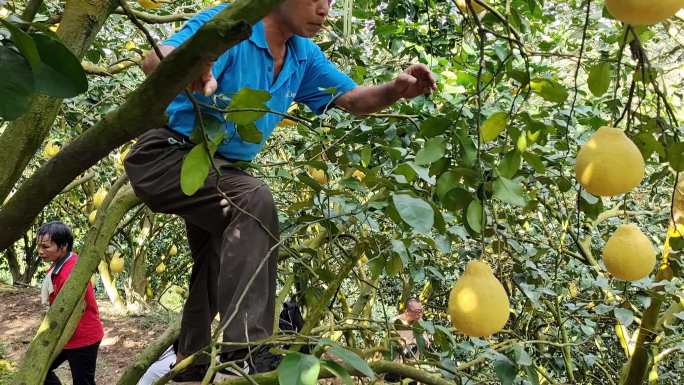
(228, 244)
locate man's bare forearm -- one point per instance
(151, 60)
(365, 100)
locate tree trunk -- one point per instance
(142, 110)
(138, 274)
(81, 22)
(13, 263)
(31, 9)
(31, 260)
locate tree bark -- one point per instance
(31, 9)
(13, 263)
(81, 22)
(142, 110)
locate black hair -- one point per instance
(59, 233)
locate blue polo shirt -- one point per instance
(304, 77)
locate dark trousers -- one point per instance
(227, 245)
(82, 363)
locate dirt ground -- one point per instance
(125, 335)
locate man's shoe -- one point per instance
(264, 361)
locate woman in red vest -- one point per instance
(55, 243)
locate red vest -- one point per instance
(89, 329)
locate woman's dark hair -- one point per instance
(59, 233)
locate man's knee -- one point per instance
(263, 198)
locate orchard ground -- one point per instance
(125, 335)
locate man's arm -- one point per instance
(415, 80)
(151, 60)
(205, 84)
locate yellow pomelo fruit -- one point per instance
(478, 303)
(173, 250)
(359, 175)
(677, 232)
(463, 6)
(99, 197)
(643, 12)
(609, 163)
(149, 4)
(629, 254)
(50, 150)
(318, 175)
(116, 265)
(287, 123)
(92, 217)
(160, 268)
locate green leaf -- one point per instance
(648, 144)
(15, 90)
(339, 371)
(469, 151)
(365, 154)
(353, 360)
(625, 316)
(24, 43)
(250, 99)
(194, 170)
(415, 212)
(492, 127)
(406, 171)
(505, 369)
(599, 78)
(394, 266)
(434, 126)
(457, 199)
(446, 182)
(433, 150)
(675, 154)
(298, 369)
(474, 215)
(549, 90)
(534, 161)
(509, 191)
(213, 127)
(510, 164)
(250, 133)
(59, 73)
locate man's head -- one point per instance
(54, 241)
(302, 17)
(414, 310)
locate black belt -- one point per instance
(184, 140)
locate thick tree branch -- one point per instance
(150, 18)
(100, 70)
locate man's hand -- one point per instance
(414, 81)
(205, 84)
